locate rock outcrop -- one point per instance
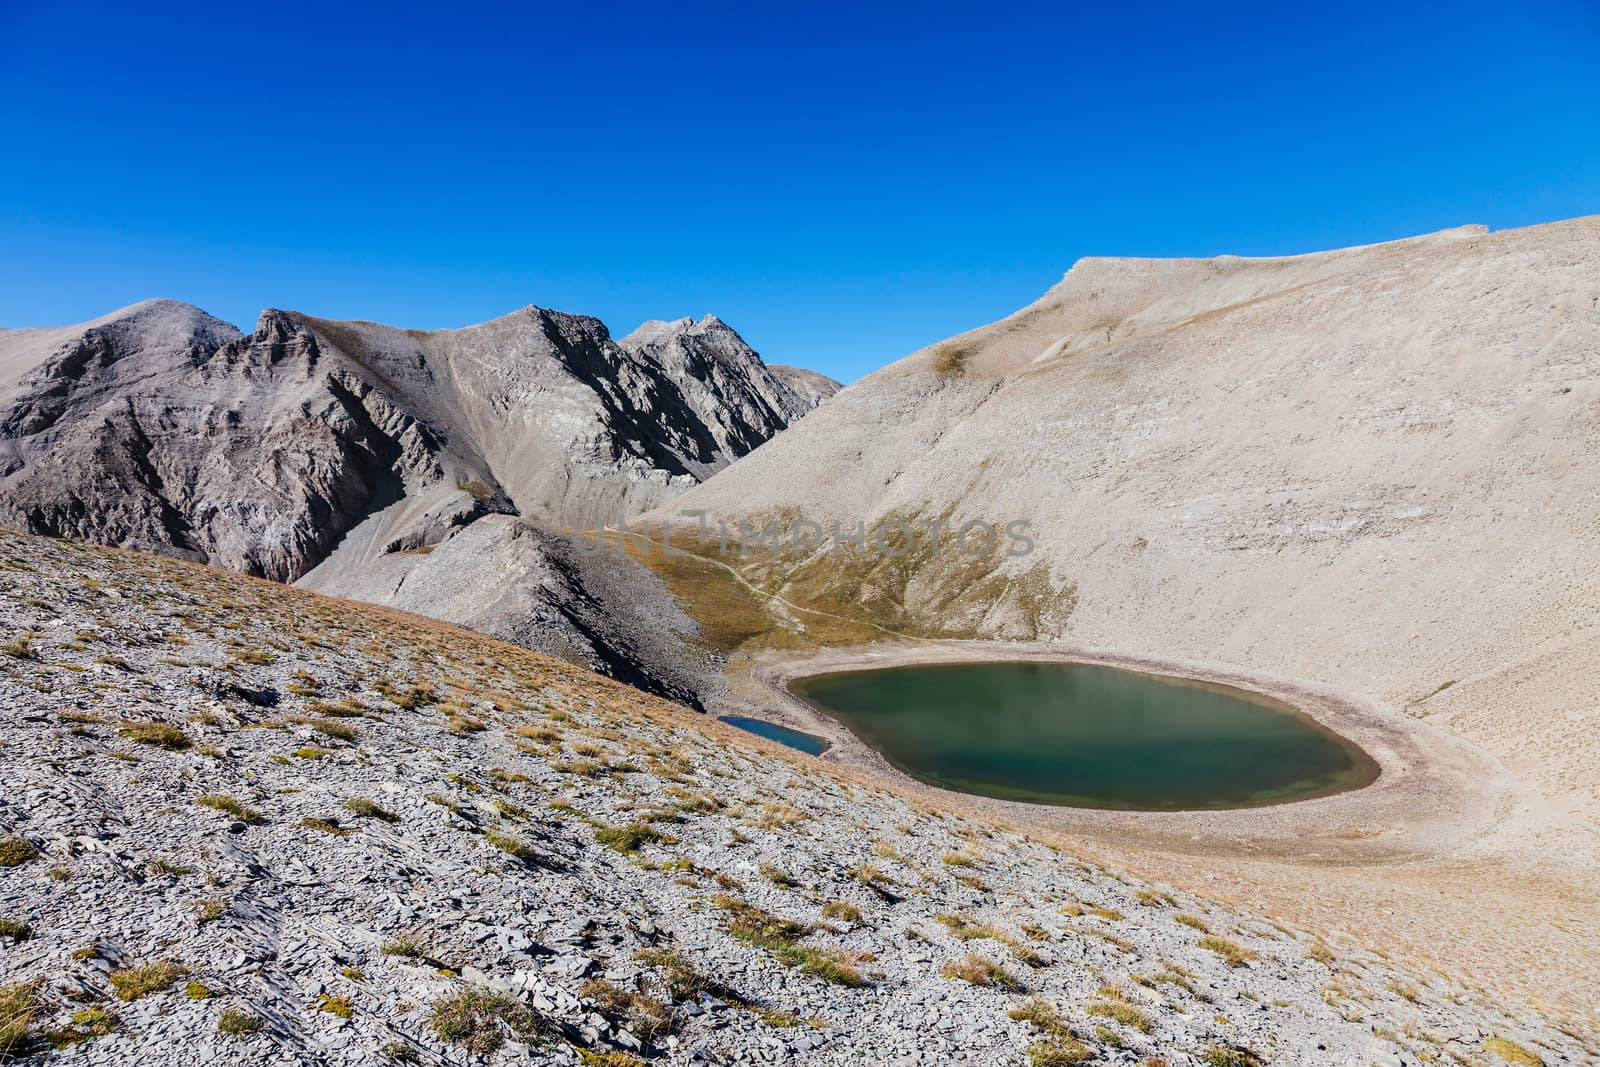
(808, 385)
(78, 408)
(738, 399)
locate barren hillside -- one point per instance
(1373, 469)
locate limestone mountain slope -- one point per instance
(76, 455)
(245, 824)
(1374, 468)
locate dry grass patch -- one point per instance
(1236, 954)
(839, 909)
(236, 1023)
(343, 1007)
(780, 816)
(692, 803)
(417, 696)
(646, 1016)
(228, 805)
(948, 358)
(338, 731)
(1184, 980)
(1112, 1004)
(611, 1058)
(627, 839)
(159, 734)
(404, 946)
(1404, 992)
(728, 613)
(19, 1009)
(344, 709)
(1058, 1046)
(1512, 1052)
(512, 845)
(683, 981)
(480, 1020)
(21, 648)
(133, 983)
(965, 929)
(369, 809)
(86, 1024)
(1058, 1052)
(781, 938)
(777, 875)
(981, 972)
(15, 851)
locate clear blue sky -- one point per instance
(843, 184)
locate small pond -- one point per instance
(808, 743)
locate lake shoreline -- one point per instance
(1419, 765)
(1363, 770)
(1385, 864)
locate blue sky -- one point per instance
(842, 183)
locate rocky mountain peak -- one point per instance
(710, 351)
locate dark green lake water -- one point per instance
(1071, 734)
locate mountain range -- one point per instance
(342, 454)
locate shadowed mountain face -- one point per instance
(725, 389)
(342, 453)
(77, 407)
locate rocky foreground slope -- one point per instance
(247, 824)
(341, 453)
